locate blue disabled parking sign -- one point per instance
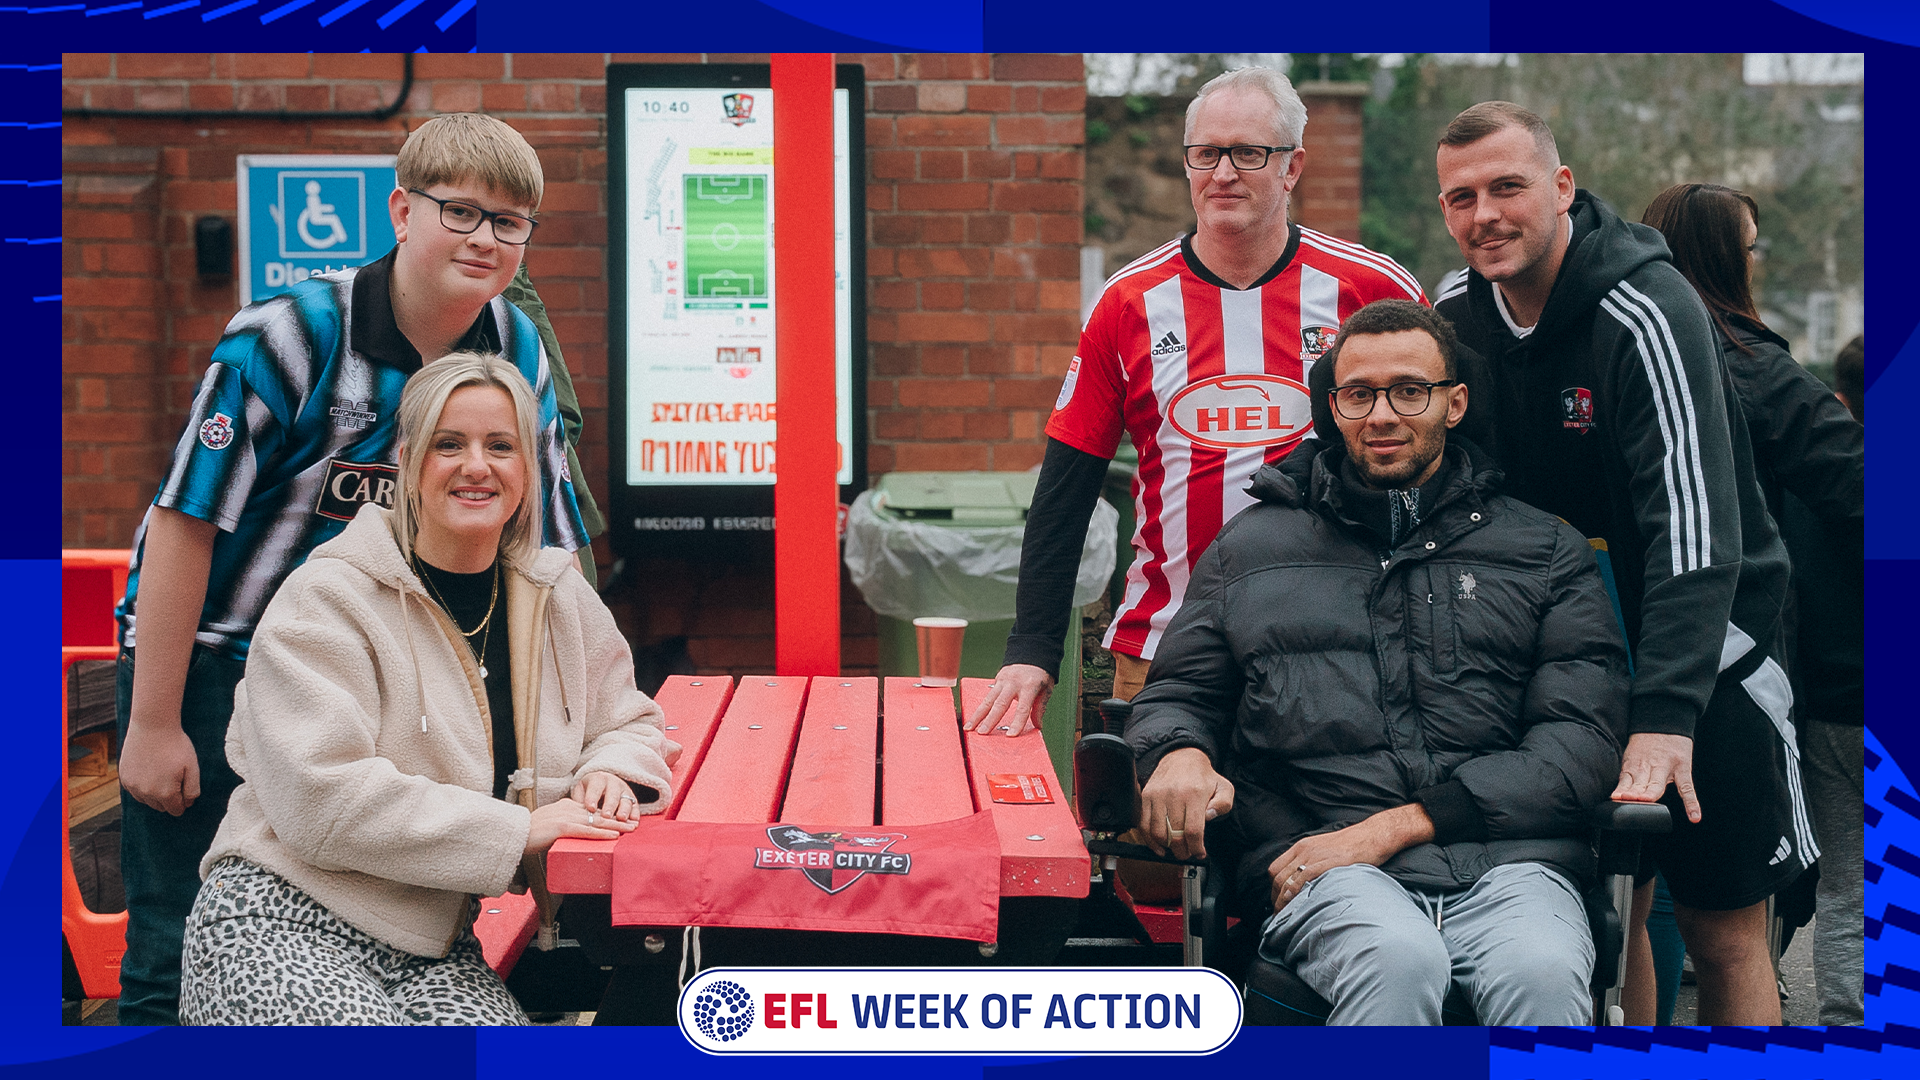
(307, 214)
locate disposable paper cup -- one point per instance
(939, 640)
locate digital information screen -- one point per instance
(696, 296)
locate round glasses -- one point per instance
(1355, 402)
(1246, 158)
(464, 218)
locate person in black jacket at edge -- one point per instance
(1413, 690)
(1811, 457)
(1600, 387)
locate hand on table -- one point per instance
(1650, 762)
(1020, 692)
(1182, 795)
(608, 795)
(568, 817)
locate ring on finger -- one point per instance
(593, 821)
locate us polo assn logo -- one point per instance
(1316, 340)
(832, 860)
(1576, 409)
(217, 432)
(739, 108)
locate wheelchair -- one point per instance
(1107, 797)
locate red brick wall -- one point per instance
(974, 194)
(1328, 195)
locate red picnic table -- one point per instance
(873, 763)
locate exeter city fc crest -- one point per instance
(1576, 409)
(833, 860)
(739, 108)
(1316, 340)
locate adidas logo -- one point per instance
(1168, 345)
(1785, 849)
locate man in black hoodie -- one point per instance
(1409, 690)
(1603, 394)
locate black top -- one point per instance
(465, 598)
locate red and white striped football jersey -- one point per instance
(1211, 383)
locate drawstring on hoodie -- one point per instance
(420, 687)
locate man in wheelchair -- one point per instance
(1411, 691)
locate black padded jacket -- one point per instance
(1479, 672)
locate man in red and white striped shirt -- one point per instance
(1198, 350)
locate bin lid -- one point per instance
(957, 498)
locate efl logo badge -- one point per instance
(1576, 409)
(1316, 340)
(350, 484)
(217, 432)
(832, 860)
(739, 108)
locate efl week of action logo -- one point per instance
(975, 1011)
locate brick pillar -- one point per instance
(1328, 196)
(112, 389)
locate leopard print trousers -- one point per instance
(261, 951)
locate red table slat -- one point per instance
(1041, 853)
(746, 771)
(693, 705)
(924, 776)
(832, 778)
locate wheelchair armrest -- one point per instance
(1105, 790)
(1621, 826)
(1635, 817)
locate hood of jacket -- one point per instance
(1310, 478)
(1605, 250)
(369, 545)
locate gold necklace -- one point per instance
(486, 621)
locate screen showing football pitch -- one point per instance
(700, 290)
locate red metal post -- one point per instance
(806, 556)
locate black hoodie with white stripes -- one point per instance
(1614, 414)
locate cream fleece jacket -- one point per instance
(362, 733)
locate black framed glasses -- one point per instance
(1355, 402)
(1245, 157)
(464, 218)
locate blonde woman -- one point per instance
(430, 702)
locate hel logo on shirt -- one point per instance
(1230, 412)
(832, 860)
(739, 108)
(217, 432)
(350, 484)
(1316, 340)
(1576, 409)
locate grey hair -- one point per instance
(1289, 112)
(422, 402)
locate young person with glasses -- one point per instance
(292, 431)
(1410, 691)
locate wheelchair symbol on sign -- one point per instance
(319, 215)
